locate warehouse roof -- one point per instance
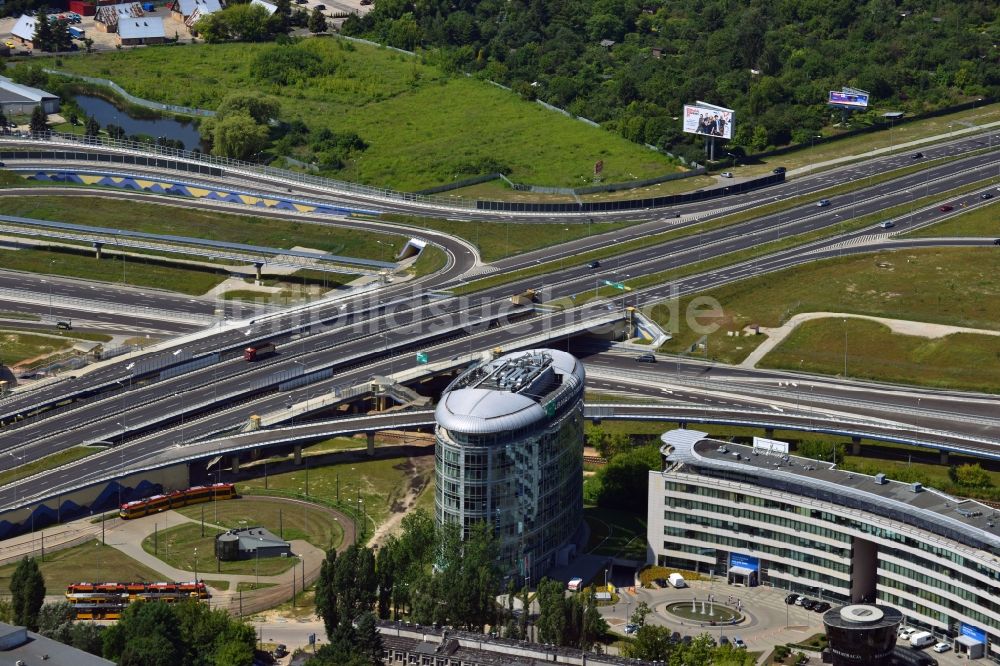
(188, 7)
(24, 28)
(15, 92)
(141, 28)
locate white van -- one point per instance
(676, 580)
(922, 639)
(574, 584)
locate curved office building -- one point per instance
(763, 517)
(509, 451)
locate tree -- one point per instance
(639, 614)
(280, 19)
(369, 640)
(651, 642)
(27, 590)
(42, 39)
(147, 633)
(238, 136)
(61, 40)
(594, 626)
(326, 593)
(91, 127)
(55, 621)
(551, 622)
(317, 21)
(39, 123)
(972, 476)
(247, 23)
(261, 109)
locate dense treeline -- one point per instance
(773, 62)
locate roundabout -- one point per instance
(703, 612)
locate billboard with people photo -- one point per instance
(708, 120)
(850, 99)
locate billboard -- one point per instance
(975, 633)
(708, 120)
(848, 99)
(745, 561)
(769, 446)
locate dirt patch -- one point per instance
(418, 471)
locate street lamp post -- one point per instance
(196, 566)
(845, 348)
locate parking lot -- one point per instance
(768, 621)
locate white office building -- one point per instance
(759, 516)
(509, 451)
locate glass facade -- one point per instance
(528, 485)
(811, 547)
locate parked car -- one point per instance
(645, 358)
(821, 606)
(791, 599)
(801, 600)
(906, 632)
(631, 628)
(941, 647)
(996, 242)
(726, 174)
(945, 208)
(686, 640)
(779, 170)
(822, 203)
(723, 640)
(661, 582)
(322, 8)
(917, 156)
(739, 644)
(887, 224)
(675, 637)
(808, 604)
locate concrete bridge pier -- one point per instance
(944, 457)
(97, 249)
(855, 446)
(235, 468)
(298, 454)
(371, 443)
(258, 266)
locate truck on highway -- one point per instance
(526, 297)
(259, 351)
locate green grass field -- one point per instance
(380, 484)
(176, 547)
(978, 222)
(16, 347)
(209, 225)
(290, 522)
(955, 286)
(421, 125)
(960, 360)
(616, 533)
(63, 457)
(137, 272)
(89, 562)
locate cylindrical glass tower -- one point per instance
(509, 451)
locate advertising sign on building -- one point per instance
(744, 561)
(769, 445)
(708, 120)
(975, 633)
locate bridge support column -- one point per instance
(682, 425)
(769, 432)
(855, 446)
(371, 443)
(97, 250)
(944, 457)
(298, 454)
(257, 267)
(236, 464)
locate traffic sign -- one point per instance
(617, 285)
(422, 357)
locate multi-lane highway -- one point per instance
(378, 334)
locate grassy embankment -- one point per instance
(421, 125)
(90, 561)
(183, 547)
(53, 461)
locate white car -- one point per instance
(941, 647)
(726, 174)
(904, 634)
(739, 644)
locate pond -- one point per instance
(105, 112)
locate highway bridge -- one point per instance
(175, 396)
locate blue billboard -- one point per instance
(975, 633)
(744, 561)
(850, 100)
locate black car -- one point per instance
(779, 170)
(821, 606)
(594, 264)
(675, 637)
(917, 156)
(996, 242)
(723, 640)
(791, 598)
(661, 582)
(686, 640)
(808, 604)
(985, 195)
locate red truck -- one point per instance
(258, 352)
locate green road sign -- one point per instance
(617, 285)
(421, 357)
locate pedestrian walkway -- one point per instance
(775, 336)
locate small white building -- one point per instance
(24, 29)
(144, 30)
(17, 99)
(107, 16)
(189, 8)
